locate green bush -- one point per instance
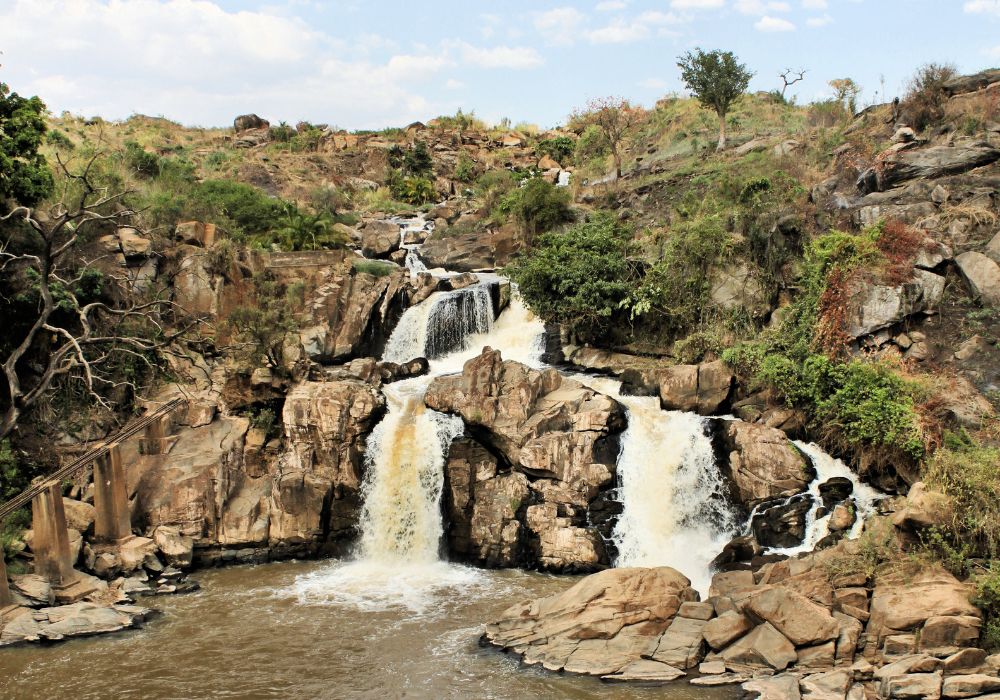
(299, 230)
(465, 168)
(592, 145)
(373, 268)
(417, 160)
(559, 149)
(140, 161)
(413, 190)
(538, 206)
(579, 276)
(987, 597)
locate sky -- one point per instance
(370, 64)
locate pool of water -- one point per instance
(317, 630)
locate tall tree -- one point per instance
(24, 176)
(716, 79)
(617, 118)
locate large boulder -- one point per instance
(738, 288)
(700, 388)
(379, 239)
(763, 463)
(982, 275)
(557, 433)
(764, 646)
(468, 249)
(795, 616)
(249, 121)
(970, 83)
(875, 307)
(599, 626)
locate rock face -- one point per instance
(527, 488)
(351, 312)
(249, 121)
(599, 626)
(219, 487)
(763, 463)
(58, 623)
(935, 162)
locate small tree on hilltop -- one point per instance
(617, 118)
(716, 79)
(846, 92)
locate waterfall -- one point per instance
(441, 324)
(675, 512)
(827, 467)
(404, 476)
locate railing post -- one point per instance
(6, 599)
(51, 543)
(154, 436)
(112, 522)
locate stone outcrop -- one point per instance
(762, 463)
(876, 307)
(935, 162)
(471, 249)
(84, 619)
(379, 239)
(982, 274)
(534, 430)
(700, 388)
(599, 626)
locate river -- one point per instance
(286, 630)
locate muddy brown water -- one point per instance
(317, 630)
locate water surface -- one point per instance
(317, 630)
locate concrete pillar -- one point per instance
(5, 597)
(112, 522)
(155, 434)
(51, 542)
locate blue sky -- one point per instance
(380, 63)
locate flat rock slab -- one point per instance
(646, 670)
(62, 622)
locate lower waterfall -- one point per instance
(675, 512)
(404, 476)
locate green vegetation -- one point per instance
(987, 597)
(374, 268)
(579, 276)
(716, 79)
(261, 325)
(299, 230)
(537, 206)
(24, 175)
(559, 149)
(925, 99)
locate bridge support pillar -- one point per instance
(112, 522)
(6, 599)
(53, 559)
(155, 436)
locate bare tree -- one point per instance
(788, 80)
(617, 118)
(67, 338)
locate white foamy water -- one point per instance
(827, 467)
(443, 323)
(675, 512)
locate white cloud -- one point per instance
(194, 61)
(760, 7)
(514, 57)
(559, 26)
(984, 6)
(611, 5)
(452, 84)
(697, 4)
(819, 21)
(618, 32)
(655, 17)
(773, 24)
(653, 84)
(814, 4)
(994, 52)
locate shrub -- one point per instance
(465, 169)
(592, 145)
(282, 133)
(925, 98)
(413, 190)
(57, 138)
(417, 160)
(987, 597)
(538, 206)
(262, 324)
(579, 276)
(967, 472)
(373, 268)
(140, 161)
(559, 149)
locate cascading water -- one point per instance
(816, 528)
(441, 324)
(674, 512)
(404, 475)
